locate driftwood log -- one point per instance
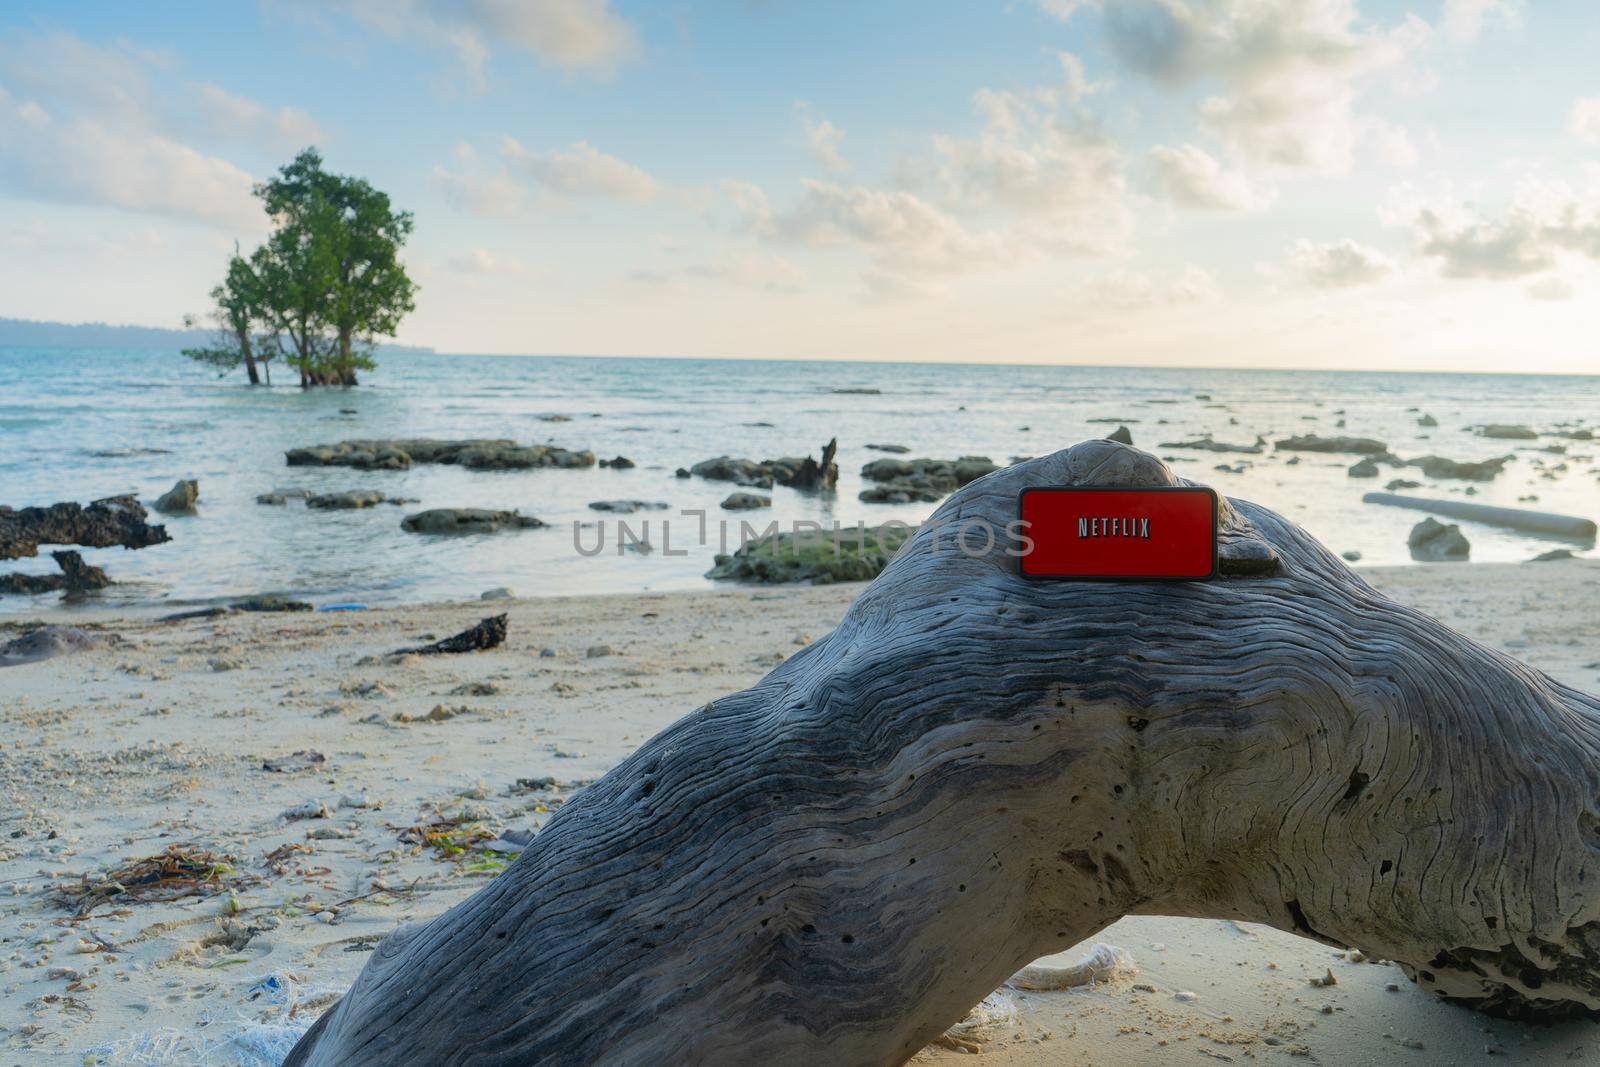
(974, 770)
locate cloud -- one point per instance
(1551, 289)
(1584, 121)
(483, 263)
(1291, 71)
(1464, 19)
(580, 36)
(1192, 178)
(112, 125)
(507, 186)
(1339, 265)
(228, 115)
(1129, 290)
(580, 171)
(1051, 169)
(87, 161)
(824, 138)
(752, 270)
(1544, 222)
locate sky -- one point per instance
(1271, 183)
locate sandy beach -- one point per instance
(340, 793)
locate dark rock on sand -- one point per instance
(1207, 444)
(487, 634)
(466, 521)
(1401, 483)
(628, 507)
(1351, 555)
(401, 454)
(621, 463)
(76, 577)
(1439, 467)
(351, 499)
(47, 642)
(1501, 431)
(269, 602)
(1361, 446)
(1432, 541)
(180, 499)
(1122, 435)
(746, 502)
(1428, 421)
(818, 557)
(1363, 468)
(118, 520)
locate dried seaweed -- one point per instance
(180, 871)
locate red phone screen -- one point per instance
(1132, 534)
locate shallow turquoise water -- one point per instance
(58, 408)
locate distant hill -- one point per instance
(25, 333)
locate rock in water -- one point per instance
(180, 499)
(350, 499)
(1427, 421)
(621, 463)
(466, 521)
(746, 502)
(1440, 467)
(1500, 431)
(1553, 554)
(1121, 435)
(1361, 446)
(76, 577)
(117, 520)
(628, 507)
(1431, 541)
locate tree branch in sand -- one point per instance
(974, 770)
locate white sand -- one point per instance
(160, 739)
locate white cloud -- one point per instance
(1130, 290)
(575, 35)
(824, 139)
(1544, 222)
(228, 115)
(1551, 288)
(1584, 121)
(1291, 71)
(91, 162)
(483, 263)
(1055, 172)
(1464, 19)
(752, 270)
(1192, 178)
(1339, 265)
(581, 170)
(507, 186)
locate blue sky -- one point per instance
(1212, 182)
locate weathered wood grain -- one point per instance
(974, 770)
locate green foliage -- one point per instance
(237, 308)
(328, 281)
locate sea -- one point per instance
(84, 424)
